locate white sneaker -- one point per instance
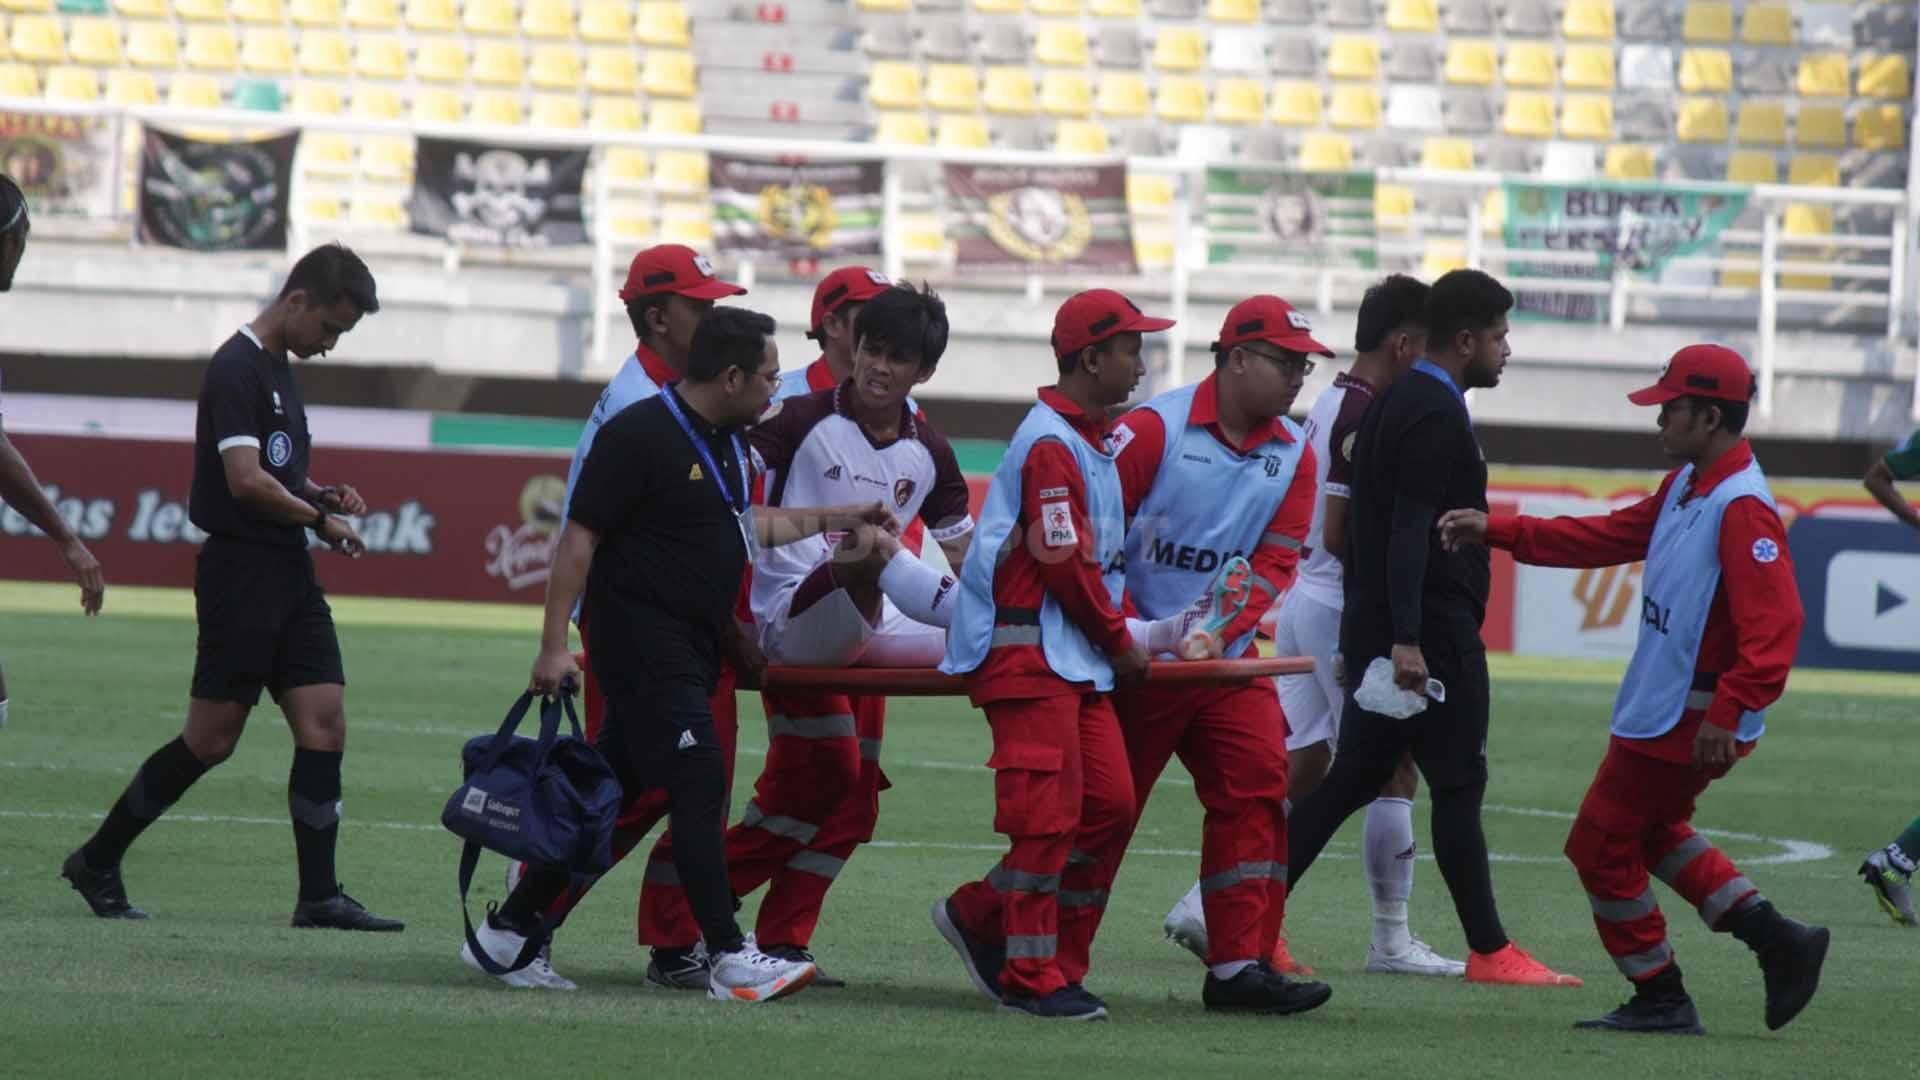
(503, 947)
(751, 977)
(1186, 924)
(1418, 958)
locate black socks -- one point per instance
(313, 801)
(159, 783)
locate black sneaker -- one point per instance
(678, 969)
(1259, 989)
(1062, 1004)
(1654, 1013)
(1081, 989)
(800, 955)
(103, 890)
(1790, 960)
(982, 960)
(341, 912)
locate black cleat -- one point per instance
(1062, 1004)
(798, 954)
(341, 912)
(1086, 994)
(1791, 961)
(1259, 989)
(679, 969)
(1661, 1014)
(103, 890)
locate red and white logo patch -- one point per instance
(1765, 550)
(1056, 519)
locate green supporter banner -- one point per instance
(791, 208)
(1269, 216)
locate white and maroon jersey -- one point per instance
(1331, 425)
(816, 454)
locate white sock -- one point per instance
(922, 593)
(3, 712)
(1228, 970)
(1160, 635)
(1387, 841)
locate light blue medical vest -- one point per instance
(1067, 650)
(628, 385)
(1676, 594)
(1207, 504)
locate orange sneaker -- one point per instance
(1283, 961)
(1512, 966)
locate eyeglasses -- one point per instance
(773, 380)
(1288, 365)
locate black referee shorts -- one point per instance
(1448, 739)
(264, 623)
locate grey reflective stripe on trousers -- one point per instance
(869, 749)
(1699, 699)
(1676, 860)
(818, 863)
(1624, 910)
(1014, 635)
(791, 828)
(1246, 871)
(1032, 946)
(1721, 900)
(1091, 898)
(1004, 879)
(1280, 540)
(662, 872)
(1076, 857)
(833, 726)
(1642, 964)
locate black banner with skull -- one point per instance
(216, 196)
(492, 195)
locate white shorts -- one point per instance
(829, 631)
(1307, 627)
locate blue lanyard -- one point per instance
(737, 506)
(1429, 368)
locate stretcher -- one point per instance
(931, 682)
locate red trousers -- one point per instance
(1234, 741)
(1634, 820)
(1063, 796)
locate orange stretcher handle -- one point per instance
(930, 682)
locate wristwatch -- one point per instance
(320, 518)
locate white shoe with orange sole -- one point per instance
(751, 977)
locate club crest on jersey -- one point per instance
(279, 449)
(902, 491)
(833, 472)
(1272, 465)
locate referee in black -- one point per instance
(1407, 598)
(263, 618)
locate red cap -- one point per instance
(1272, 320)
(847, 285)
(675, 268)
(1092, 317)
(1712, 371)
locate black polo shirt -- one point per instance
(248, 398)
(661, 591)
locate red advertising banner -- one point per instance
(443, 525)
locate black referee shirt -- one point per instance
(1415, 456)
(248, 398)
(660, 594)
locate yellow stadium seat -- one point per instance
(556, 111)
(1351, 57)
(1587, 116)
(1238, 11)
(1180, 100)
(680, 170)
(1752, 167)
(132, 9)
(1114, 9)
(431, 105)
(615, 114)
(1591, 19)
(441, 60)
(126, 87)
(1761, 123)
(1080, 137)
(66, 83)
(675, 118)
(612, 71)
(1528, 115)
(1442, 257)
(1706, 71)
(201, 10)
(1355, 107)
(387, 157)
(1702, 120)
(383, 102)
(1296, 104)
(1822, 75)
(500, 107)
(1060, 45)
(1629, 163)
(963, 133)
(211, 48)
(37, 39)
(1529, 63)
(320, 99)
(953, 87)
(1009, 90)
(668, 74)
(1814, 170)
(19, 80)
(1805, 219)
(1587, 67)
(1880, 127)
(1392, 206)
(1413, 16)
(606, 22)
(324, 53)
(381, 58)
(1325, 151)
(555, 67)
(323, 209)
(259, 12)
(547, 19)
(1121, 94)
(373, 14)
(923, 237)
(633, 225)
(1149, 193)
(487, 16)
(152, 45)
(894, 84)
(194, 92)
(1470, 63)
(432, 15)
(883, 5)
(1152, 252)
(94, 41)
(1451, 155)
(1767, 24)
(903, 129)
(1708, 21)
(1066, 93)
(1820, 125)
(1179, 49)
(629, 165)
(375, 211)
(1054, 7)
(267, 52)
(1239, 101)
(662, 23)
(498, 63)
(1884, 76)
(691, 225)
(327, 153)
(314, 12)
(998, 7)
